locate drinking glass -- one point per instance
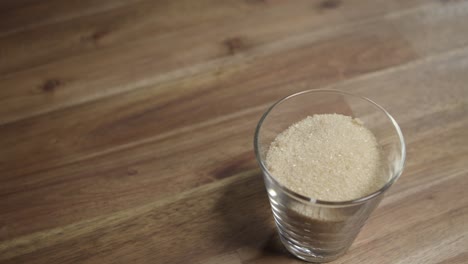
(316, 230)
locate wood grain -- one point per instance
(107, 124)
(127, 126)
(23, 15)
(126, 38)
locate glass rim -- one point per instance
(314, 201)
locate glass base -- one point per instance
(307, 253)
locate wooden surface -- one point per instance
(126, 126)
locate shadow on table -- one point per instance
(246, 220)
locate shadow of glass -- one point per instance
(247, 222)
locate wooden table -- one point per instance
(126, 126)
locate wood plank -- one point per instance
(23, 15)
(144, 21)
(39, 91)
(447, 228)
(434, 29)
(157, 225)
(235, 208)
(128, 41)
(8, 5)
(147, 21)
(155, 169)
(134, 177)
(75, 133)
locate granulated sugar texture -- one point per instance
(328, 157)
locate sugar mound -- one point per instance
(328, 157)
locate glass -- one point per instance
(316, 230)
